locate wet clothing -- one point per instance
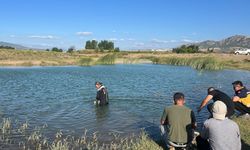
(102, 96)
(221, 134)
(241, 106)
(243, 109)
(180, 120)
(220, 96)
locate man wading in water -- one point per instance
(102, 97)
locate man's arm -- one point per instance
(204, 131)
(164, 118)
(205, 101)
(236, 99)
(193, 120)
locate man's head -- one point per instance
(219, 110)
(179, 98)
(210, 89)
(237, 85)
(98, 84)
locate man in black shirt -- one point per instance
(217, 95)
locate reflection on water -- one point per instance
(101, 112)
(62, 96)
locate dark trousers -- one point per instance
(230, 112)
(241, 108)
(202, 144)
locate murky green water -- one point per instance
(62, 96)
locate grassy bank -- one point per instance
(198, 61)
(14, 135)
(244, 125)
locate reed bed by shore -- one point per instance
(108, 59)
(199, 63)
(21, 136)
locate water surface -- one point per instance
(62, 96)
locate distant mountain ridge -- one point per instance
(227, 44)
(16, 46)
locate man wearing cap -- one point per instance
(180, 122)
(241, 98)
(219, 132)
(217, 95)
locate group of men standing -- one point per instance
(219, 132)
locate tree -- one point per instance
(106, 45)
(94, 44)
(91, 44)
(103, 45)
(6, 47)
(117, 49)
(71, 49)
(88, 45)
(55, 49)
(187, 49)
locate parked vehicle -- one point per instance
(242, 51)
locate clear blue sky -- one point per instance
(131, 24)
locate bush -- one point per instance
(117, 49)
(55, 49)
(108, 59)
(186, 49)
(86, 61)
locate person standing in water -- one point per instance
(102, 97)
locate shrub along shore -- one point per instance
(17, 135)
(199, 61)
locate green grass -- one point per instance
(85, 61)
(108, 59)
(199, 63)
(244, 125)
(16, 135)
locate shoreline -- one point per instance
(34, 138)
(214, 61)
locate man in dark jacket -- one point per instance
(241, 98)
(101, 95)
(217, 95)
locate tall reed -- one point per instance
(24, 137)
(108, 59)
(199, 63)
(85, 61)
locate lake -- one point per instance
(62, 97)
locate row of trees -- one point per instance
(6, 47)
(103, 45)
(55, 49)
(187, 49)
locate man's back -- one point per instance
(221, 96)
(180, 120)
(222, 134)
